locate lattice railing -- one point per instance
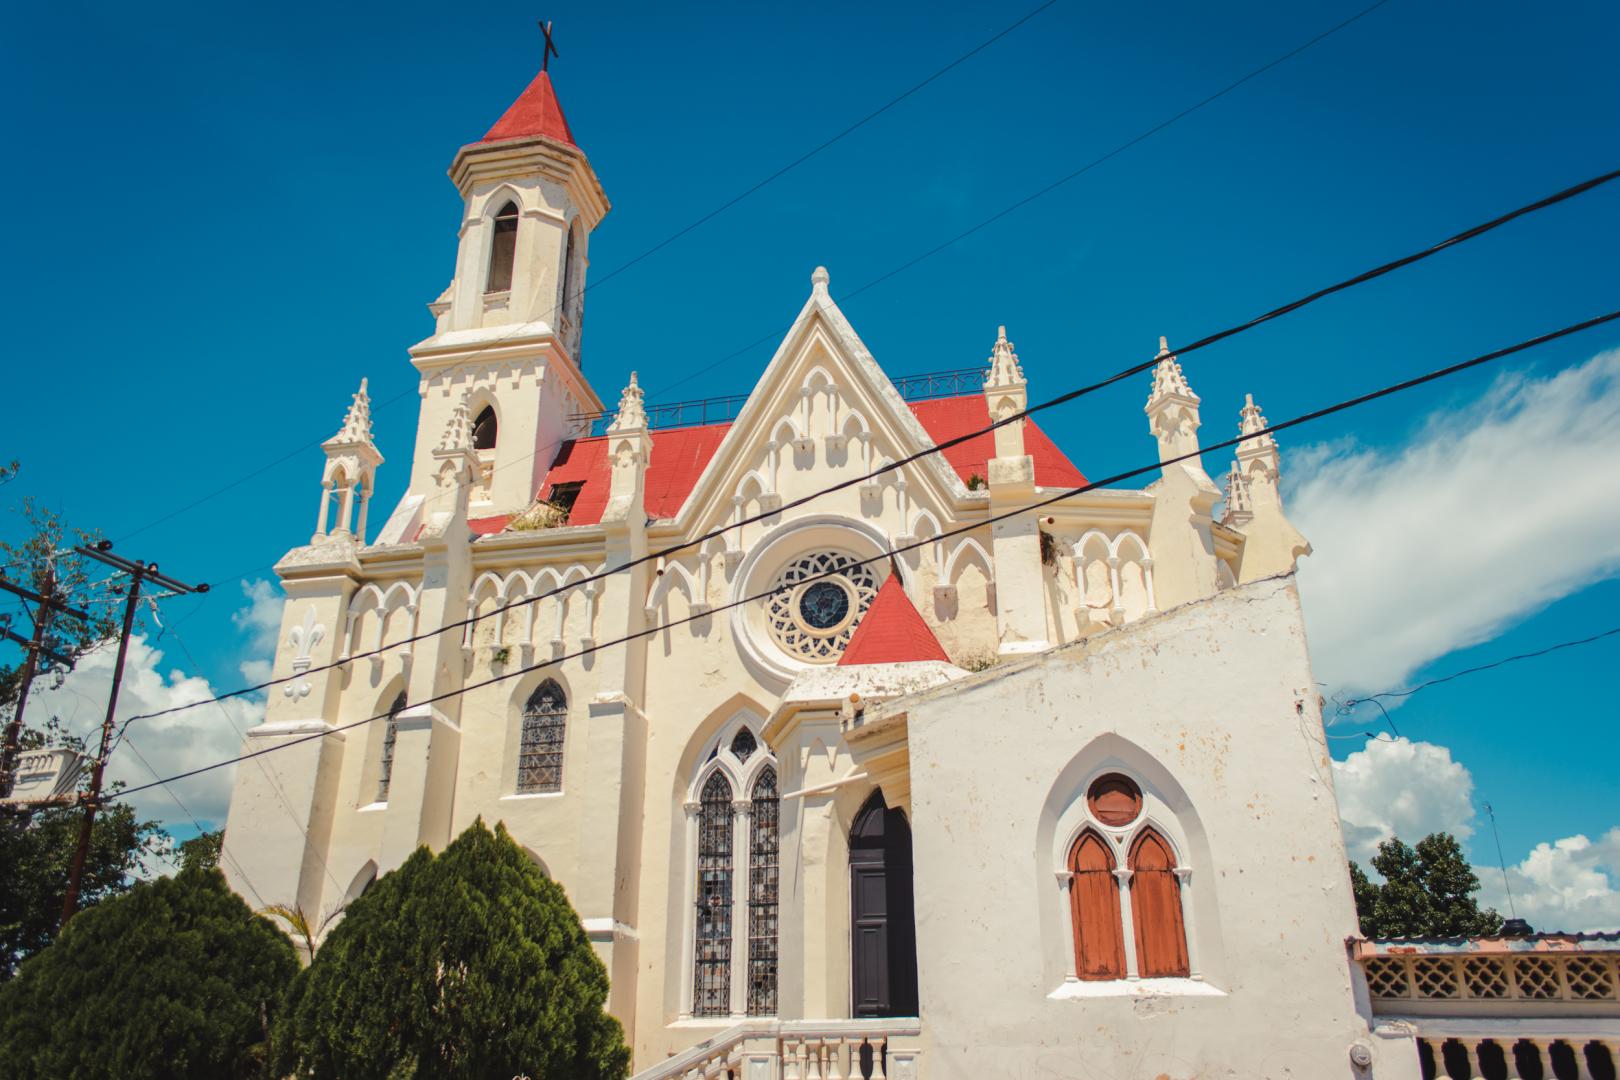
(1477, 977)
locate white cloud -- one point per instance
(1411, 789)
(1494, 509)
(1569, 884)
(261, 621)
(1401, 788)
(170, 744)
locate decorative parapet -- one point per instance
(1539, 975)
(766, 1049)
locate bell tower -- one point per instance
(507, 339)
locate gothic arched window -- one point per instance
(390, 734)
(711, 971)
(1161, 937)
(764, 851)
(1099, 937)
(485, 430)
(570, 275)
(540, 743)
(503, 249)
(734, 856)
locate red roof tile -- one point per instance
(535, 112)
(892, 631)
(681, 454)
(946, 418)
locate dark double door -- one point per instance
(883, 929)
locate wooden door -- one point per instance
(883, 936)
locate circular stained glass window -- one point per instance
(823, 605)
(820, 599)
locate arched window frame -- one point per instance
(385, 760)
(542, 736)
(501, 266)
(494, 428)
(743, 776)
(1156, 815)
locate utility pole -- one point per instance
(139, 573)
(46, 603)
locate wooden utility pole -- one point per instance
(139, 573)
(46, 604)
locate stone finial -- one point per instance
(819, 279)
(357, 423)
(458, 432)
(1239, 505)
(632, 412)
(1250, 420)
(1168, 380)
(1004, 366)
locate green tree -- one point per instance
(177, 978)
(468, 964)
(35, 849)
(1428, 891)
(201, 852)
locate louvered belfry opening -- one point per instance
(385, 772)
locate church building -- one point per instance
(851, 770)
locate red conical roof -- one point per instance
(892, 631)
(535, 112)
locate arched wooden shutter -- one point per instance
(1161, 937)
(1099, 933)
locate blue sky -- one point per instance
(227, 217)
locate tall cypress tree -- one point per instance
(469, 964)
(176, 978)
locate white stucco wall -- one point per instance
(1212, 709)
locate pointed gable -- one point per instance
(535, 112)
(892, 631)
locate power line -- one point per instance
(660, 245)
(1048, 189)
(1071, 395)
(1345, 707)
(167, 790)
(807, 155)
(1304, 418)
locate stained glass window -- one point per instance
(711, 977)
(540, 746)
(764, 858)
(390, 734)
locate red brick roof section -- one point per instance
(535, 112)
(946, 418)
(681, 454)
(892, 631)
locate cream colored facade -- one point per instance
(1125, 631)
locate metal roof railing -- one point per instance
(723, 410)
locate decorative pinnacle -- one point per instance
(1004, 366)
(458, 432)
(632, 413)
(357, 422)
(820, 278)
(1250, 420)
(1168, 381)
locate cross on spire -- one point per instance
(551, 46)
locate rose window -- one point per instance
(822, 596)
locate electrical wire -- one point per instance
(1071, 395)
(1304, 418)
(660, 245)
(1049, 188)
(1347, 706)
